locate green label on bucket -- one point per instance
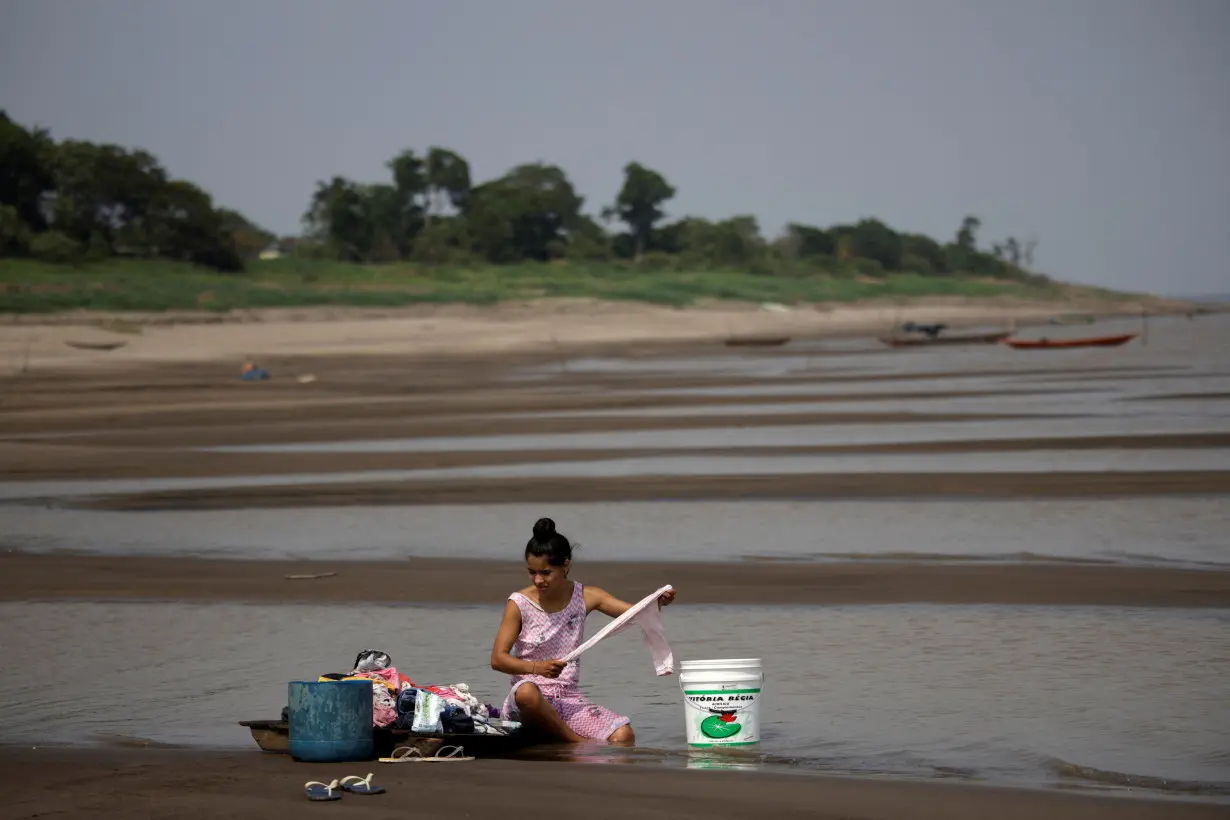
(720, 727)
(720, 717)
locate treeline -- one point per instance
(76, 200)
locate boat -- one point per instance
(757, 341)
(1089, 341)
(898, 340)
(274, 736)
(95, 345)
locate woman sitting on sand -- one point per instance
(544, 622)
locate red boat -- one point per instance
(1091, 341)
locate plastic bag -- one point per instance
(371, 659)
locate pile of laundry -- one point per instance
(400, 703)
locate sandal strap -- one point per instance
(328, 786)
(405, 751)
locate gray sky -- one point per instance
(1096, 125)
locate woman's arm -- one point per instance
(505, 637)
(604, 602)
(608, 604)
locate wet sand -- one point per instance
(48, 781)
(433, 580)
(527, 490)
(41, 460)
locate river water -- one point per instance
(1028, 695)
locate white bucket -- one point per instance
(721, 701)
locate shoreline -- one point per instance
(63, 576)
(238, 785)
(545, 326)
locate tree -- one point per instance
(186, 227)
(587, 241)
(410, 181)
(447, 178)
(967, 234)
(639, 203)
(26, 171)
(733, 242)
(108, 190)
(524, 215)
(249, 238)
(808, 241)
(923, 255)
(875, 240)
(338, 215)
(14, 232)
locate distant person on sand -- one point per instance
(251, 372)
(544, 622)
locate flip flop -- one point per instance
(361, 785)
(408, 754)
(315, 790)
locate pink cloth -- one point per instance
(389, 675)
(384, 701)
(646, 614)
(546, 636)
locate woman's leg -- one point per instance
(624, 736)
(538, 713)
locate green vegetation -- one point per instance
(103, 227)
(28, 286)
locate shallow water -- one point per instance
(1034, 461)
(1002, 694)
(1187, 531)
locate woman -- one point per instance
(544, 622)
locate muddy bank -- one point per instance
(46, 781)
(36, 461)
(538, 490)
(59, 576)
(290, 428)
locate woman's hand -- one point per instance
(665, 598)
(549, 669)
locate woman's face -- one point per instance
(543, 575)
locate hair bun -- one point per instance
(544, 528)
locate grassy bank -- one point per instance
(34, 287)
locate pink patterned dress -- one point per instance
(546, 636)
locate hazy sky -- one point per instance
(1100, 126)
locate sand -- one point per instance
(173, 783)
(40, 342)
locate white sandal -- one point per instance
(409, 754)
(361, 785)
